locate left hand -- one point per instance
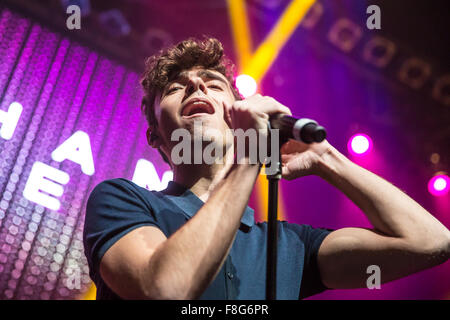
(299, 159)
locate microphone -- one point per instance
(305, 130)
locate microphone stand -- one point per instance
(272, 232)
(272, 235)
(308, 131)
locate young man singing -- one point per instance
(198, 240)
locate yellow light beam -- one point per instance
(241, 31)
(258, 64)
(267, 52)
(90, 294)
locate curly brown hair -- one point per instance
(162, 68)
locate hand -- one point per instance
(299, 159)
(253, 114)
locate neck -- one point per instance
(201, 178)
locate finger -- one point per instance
(292, 146)
(272, 106)
(285, 110)
(227, 115)
(285, 173)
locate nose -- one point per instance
(194, 84)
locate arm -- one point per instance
(405, 239)
(145, 265)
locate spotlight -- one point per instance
(246, 85)
(359, 144)
(439, 185)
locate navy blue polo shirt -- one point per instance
(118, 206)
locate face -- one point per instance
(196, 96)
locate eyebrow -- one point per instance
(201, 73)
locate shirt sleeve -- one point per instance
(312, 238)
(114, 208)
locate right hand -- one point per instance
(253, 113)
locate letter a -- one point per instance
(374, 21)
(77, 149)
(74, 20)
(373, 282)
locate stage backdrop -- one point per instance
(69, 119)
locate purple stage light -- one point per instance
(246, 85)
(439, 185)
(359, 144)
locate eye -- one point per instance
(173, 89)
(214, 86)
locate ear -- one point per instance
(153, 138)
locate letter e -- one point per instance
(38, 182)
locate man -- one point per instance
(198, 239)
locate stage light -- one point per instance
(246, 85)
(435, 158)
(267, 52)
(115, 23)
(441, 90)
(345, 34)
(439, 185)
(155, 39)
(359, 144)
(414, 72)
(379, 51)
(313, 16)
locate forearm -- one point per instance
(390, 211)
(184, 265)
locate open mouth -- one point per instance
(197, 107)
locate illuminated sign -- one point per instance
(44, 184)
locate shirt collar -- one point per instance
(187, 201)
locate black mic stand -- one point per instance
(309, 132)
(272, 235)
(272, 227)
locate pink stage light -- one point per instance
(359, 144)
(246, 85)
(439, 185)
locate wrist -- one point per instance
(330, 164)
